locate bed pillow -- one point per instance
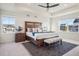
(39, 30)
(29, 30)
(35, 29)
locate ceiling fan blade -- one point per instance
(54, 5)
(47, 5)
(42, 6)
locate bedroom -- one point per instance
(16, 14)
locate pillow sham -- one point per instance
(29, 30)
(35, 29)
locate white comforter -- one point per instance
(41, 35)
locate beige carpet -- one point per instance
(17, 49)
(13, 49)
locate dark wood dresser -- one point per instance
(19, 37)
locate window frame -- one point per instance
(67, 25)
(4, 26)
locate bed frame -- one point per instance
(29, 24)
(38, 42)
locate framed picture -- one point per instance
(63, 27)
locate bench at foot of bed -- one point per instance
(52, 41)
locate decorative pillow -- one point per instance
(33, 33)
(35, 29)
(29, 30)
(39, 30)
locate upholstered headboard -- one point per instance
(29, 24)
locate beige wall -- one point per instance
(65, 35)
(20, 21)
(21, 18)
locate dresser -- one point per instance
(19, 37)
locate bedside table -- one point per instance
(19, 37)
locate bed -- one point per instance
(41, 35)
(35, 34)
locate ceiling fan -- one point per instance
(49, 6)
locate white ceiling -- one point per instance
(34, 8)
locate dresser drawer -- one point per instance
(19, 37)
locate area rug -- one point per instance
(57, 50)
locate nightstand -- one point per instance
(19, 37)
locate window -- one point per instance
(71, 25)
(8, 20)
(8, 24)
(63, 27)
(73, 28)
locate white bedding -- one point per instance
(41, 35)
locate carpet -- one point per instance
(55, 50)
